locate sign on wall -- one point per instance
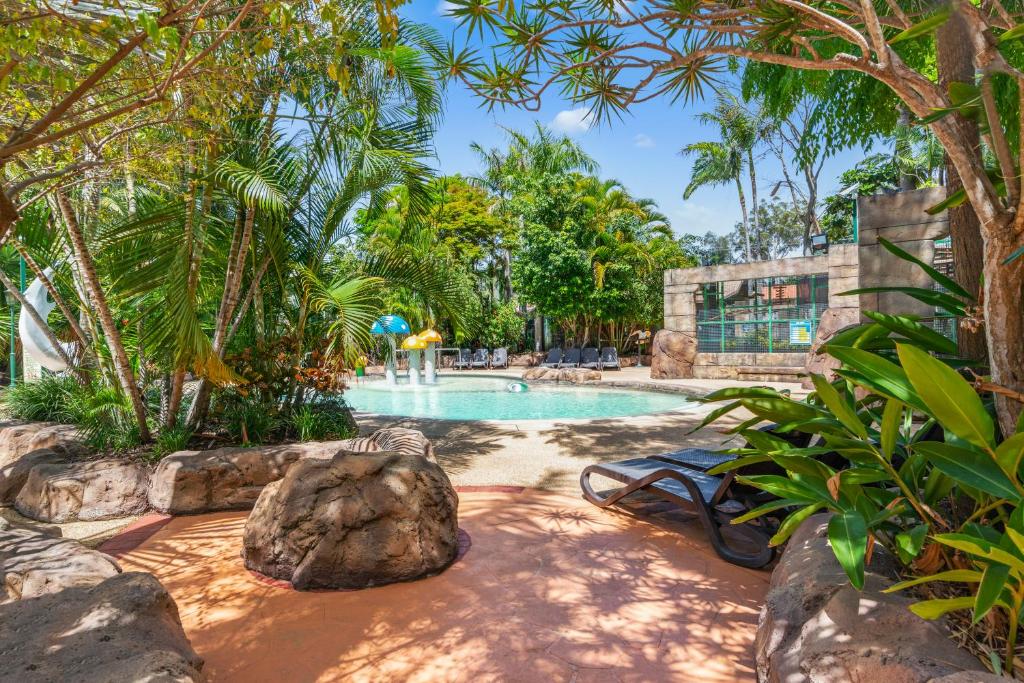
(800, 332)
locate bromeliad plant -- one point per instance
(907, 456)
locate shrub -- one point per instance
(909, 457)
(317, 422)
(171, 440)
(249, 421)
(54, 398)
(107, 421)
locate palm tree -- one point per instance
(724, 161)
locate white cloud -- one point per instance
(444, 8)
(698, 218)
(573, 121)
(643, 140)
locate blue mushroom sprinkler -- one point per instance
(389, 326)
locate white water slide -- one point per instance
(33, 340)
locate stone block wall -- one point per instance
(899, 218)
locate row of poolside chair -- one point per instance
(587, 357)
(481, 358)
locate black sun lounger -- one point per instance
(571, 359)
(480, 359)
(610, 358)
(463, 359)
(499, 358)
(553, 359)
(590, 358)
(692, 490)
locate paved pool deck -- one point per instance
(550, 589)
(550, 454)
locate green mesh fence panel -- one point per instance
(761, 315)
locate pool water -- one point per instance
(488, 398)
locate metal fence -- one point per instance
(761, 315)
(942, 322)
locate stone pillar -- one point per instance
(680, 307)
(414, 367)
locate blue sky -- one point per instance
(641, 150)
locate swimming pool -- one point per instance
(487, 398)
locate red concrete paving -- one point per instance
(551, 589)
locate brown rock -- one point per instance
(14, 474)
(18, 438)
(34, 564)
(352, 521)
(672, 355)
(816, 627)
(190, 482)
(123, 629)
(832, 321)
(562, 375)
(83, 491)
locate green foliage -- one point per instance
(909, 457)
(170, 440)
(321, 421)
(247, 418)
(54, 398)
(504, 327)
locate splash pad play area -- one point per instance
(426, 394)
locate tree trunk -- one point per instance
(1004, 319)
(746, 221)
(122, 365)
(76, 328)
(8, 211)
(754, 223)
(956, 64)
(174, 398)
(907, 182)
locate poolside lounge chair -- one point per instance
(571, 359)
(590, 358)
(681, 478)
(553, 359)
(610, 358)
(499, 358)
(463, 360)
(480, 359)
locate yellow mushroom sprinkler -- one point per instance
(432, 339)
(413, 344)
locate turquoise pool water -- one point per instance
(487, 398)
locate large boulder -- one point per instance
(125, 628)
(34, 564)
(14, 474)
(191, 482)
(816, 628)
(672, 355)
(18, 438)
(832, 321)
(82, 491)
(356, 520)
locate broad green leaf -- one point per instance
(738, 463)
(933, 609)
(981, 548)
(923, 27)
(765, 509)
(890, 427)
(944, 280)
(781, 409)
(715, 414)
(784, 487)
(949, 397)
(929, 296)
(915, 331)
(802, 465)
(1009, 454)
(991, 587)
(848, 535)
(879, 375)
(790, 524)
(1013, 34)
(969, 467)
(953, 575)
(909, 543)
(864, 475)
(843, 411)
(740, 392)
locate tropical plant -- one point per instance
(904, 441)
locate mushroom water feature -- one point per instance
(432, 339)
(389, 326)
(414, 344)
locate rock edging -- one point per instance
(815, 627)
(562, 375)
